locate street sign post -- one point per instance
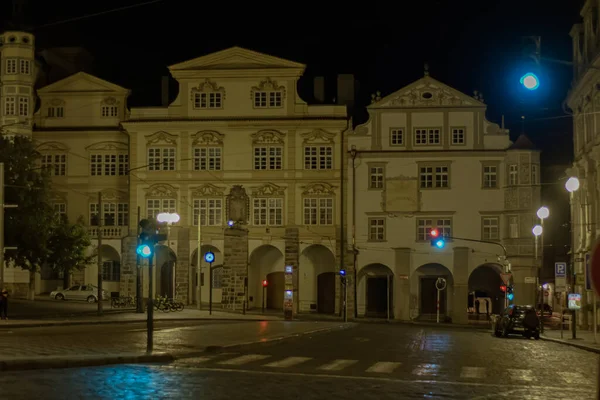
(288, 295)
(209, 257)
(560, 277)
(440, 285)
(506, 278)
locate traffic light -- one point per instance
(437, 240)
(265, 283)
(148, 238)
(530, 70)
(509, 293)
(503, 288)
(343, 276)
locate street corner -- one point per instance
(578, 343)
(71, 361)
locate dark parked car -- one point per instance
(522, 320)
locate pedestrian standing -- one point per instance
(4, 304)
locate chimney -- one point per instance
(345, 90)
(319, 89)
(165, 91)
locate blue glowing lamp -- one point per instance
(209, 257)
(530, 81)
(510, 296)
(440, 243)
(144, 250)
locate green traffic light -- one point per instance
(530, 81)
(144, 250)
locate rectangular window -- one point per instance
(210, 211)
(25, 67)
(113, 214)
(161, 159)
(428, 136)
(318, 211)
(490, 176)
(60, 209)
(513, 227)
(208, 100)
(11, 66)
(268, 99)
(434, 177)
(376, 177)
(535, 176)
(157, 206)
(110, 111)
(207, 159)
(111, 271)
(318, 157)
(268, 211)
(376, 229)
(55, 164)
(396, 136)
(425, 225)
(268, 157)
(458, 136)
(56, 112)
(513, 174)
(109, 164)
(10, 107)
(23, 106)
(94, 214)
(490, 228)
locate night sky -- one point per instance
(470, 45)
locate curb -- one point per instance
(572, 344)
(82, 361)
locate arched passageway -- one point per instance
(266, 263)
(316, 284)
(424, 281)
(485, 295)
(375, 291)
(165, 271)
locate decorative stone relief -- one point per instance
(511, 199)
(107, 146)
(525, 174)
(268, 85)
(267, 137)
(110, 101)
(430, 94)
(208, 190)
(318, 189)
(161, 137)
(161, 190)
(208, 87)
(318, 136)
(267, 190)
(52, 146)
(112, 195)
(525, 198)
(238, 205)
(208, 138)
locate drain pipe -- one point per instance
(353, 154)
(343, 166)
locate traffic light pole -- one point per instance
(481, 241)
(150, 319)
(139, 294)
(210, 286)
(100, 291)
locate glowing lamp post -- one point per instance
(572, 185)
(169, 219)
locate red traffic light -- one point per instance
(264, 283)
(503, 288)
(434, 233)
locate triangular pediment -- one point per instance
(236, 58)
(84, 83)
(427, 92)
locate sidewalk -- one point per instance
(130, 317)
(584, 339)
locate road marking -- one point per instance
(573, 377)
(426, 369)
(337, 365)
(472, 372)
(384, 367)
(288, 362)
(244, 359)
(521, 374)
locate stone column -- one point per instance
(235, 268)
(128, 266)
(460, 288)
(182, 266)
(401, 281)
(292, 254)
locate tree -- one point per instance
(68, 247)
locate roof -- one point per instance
(522, 143)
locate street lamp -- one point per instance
(572, 185)
(169, 218)
(537, 231)
(542, 213)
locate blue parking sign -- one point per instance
(560, 270)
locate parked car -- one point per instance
(517, 319)
(88, 293)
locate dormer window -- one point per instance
(268, 95)
(56, 112)
(208, 95)
(109, 108)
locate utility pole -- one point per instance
(2, 286)
(199, 264)
(100, 297)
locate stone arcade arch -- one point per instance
(165, 260)
(217, 274)
(424, 290)
(373, 290)
(266, 262)
(484, 283)
(316, 286)
(111, 269)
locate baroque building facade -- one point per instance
(584, 101)
(428, 159)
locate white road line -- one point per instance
(573, 377)
(288, 362)
(472, 372)
(426, 369)
(244, 359)
(521, 374)
(383, 367)
(337, 365)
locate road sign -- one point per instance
(560, 270)
(506, 278)
(530, 279)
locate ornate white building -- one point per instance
(428, 158)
